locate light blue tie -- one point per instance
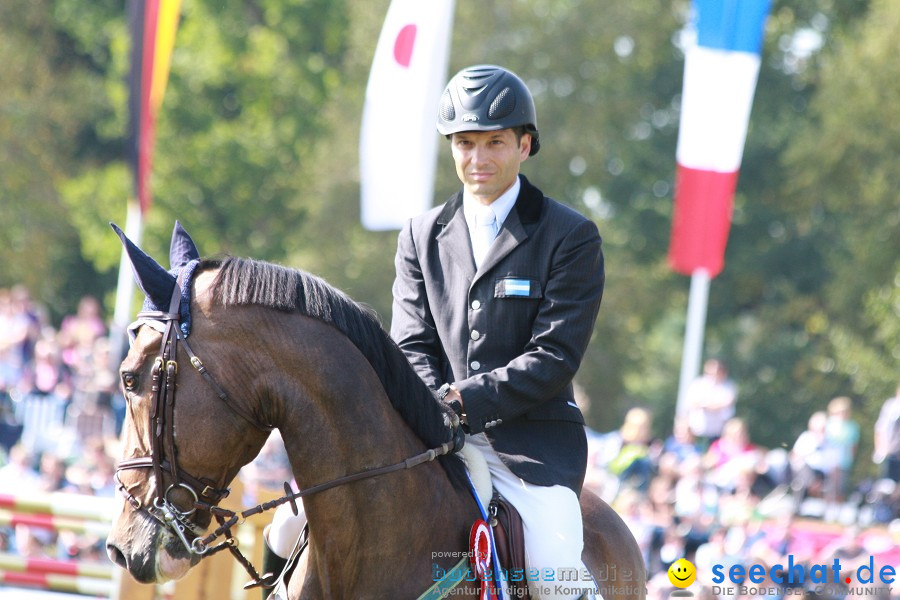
(484, 234)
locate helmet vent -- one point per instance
(448, 113)
(503, 105)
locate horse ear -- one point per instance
(155, 281)
(182, 249)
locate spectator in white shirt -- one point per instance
(710, 401)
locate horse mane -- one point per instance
(243, 281)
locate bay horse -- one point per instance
(273, 347)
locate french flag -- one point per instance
(398, 143)
(720, 72)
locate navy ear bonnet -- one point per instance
(157, 283)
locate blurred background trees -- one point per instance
(256, 154)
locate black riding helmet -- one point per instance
(487, 98)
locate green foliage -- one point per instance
(240, 121)
(843, 184)
(46, 137)
(94, 199)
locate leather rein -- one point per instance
(163, 457)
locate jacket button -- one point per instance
(475, 365)
(475, 335)
(476, 304)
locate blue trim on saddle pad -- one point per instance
(498, 580)
(460, 572)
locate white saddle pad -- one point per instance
(478, 471)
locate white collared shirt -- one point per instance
(501, 206)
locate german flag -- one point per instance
(153, 24)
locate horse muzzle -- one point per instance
(148, 550)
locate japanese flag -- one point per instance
(398, 142)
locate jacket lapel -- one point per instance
(454, 236)
(511, 235)
(525, 213)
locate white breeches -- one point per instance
(551, 516)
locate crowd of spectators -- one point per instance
(59, 427)
(723, 499)
(705, 491)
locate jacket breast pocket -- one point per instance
(518, 287)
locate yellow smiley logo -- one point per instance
(682, 573)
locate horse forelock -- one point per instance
(242, 281)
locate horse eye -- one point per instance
(129, 381)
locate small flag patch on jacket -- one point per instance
(514, 287)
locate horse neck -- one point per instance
(338, 421)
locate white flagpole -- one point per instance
(693, 335)
(125, 290)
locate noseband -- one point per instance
(163, 455)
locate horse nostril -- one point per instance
(116, 556)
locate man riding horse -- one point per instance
(495, 300)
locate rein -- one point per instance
(237, 518)
(163, 458)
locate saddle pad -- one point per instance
(478, 472)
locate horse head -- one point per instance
(171, 469)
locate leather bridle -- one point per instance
(163, 456)
(204, 492)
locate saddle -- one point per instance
(505, 522)
(503, 518)
(509, 538)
